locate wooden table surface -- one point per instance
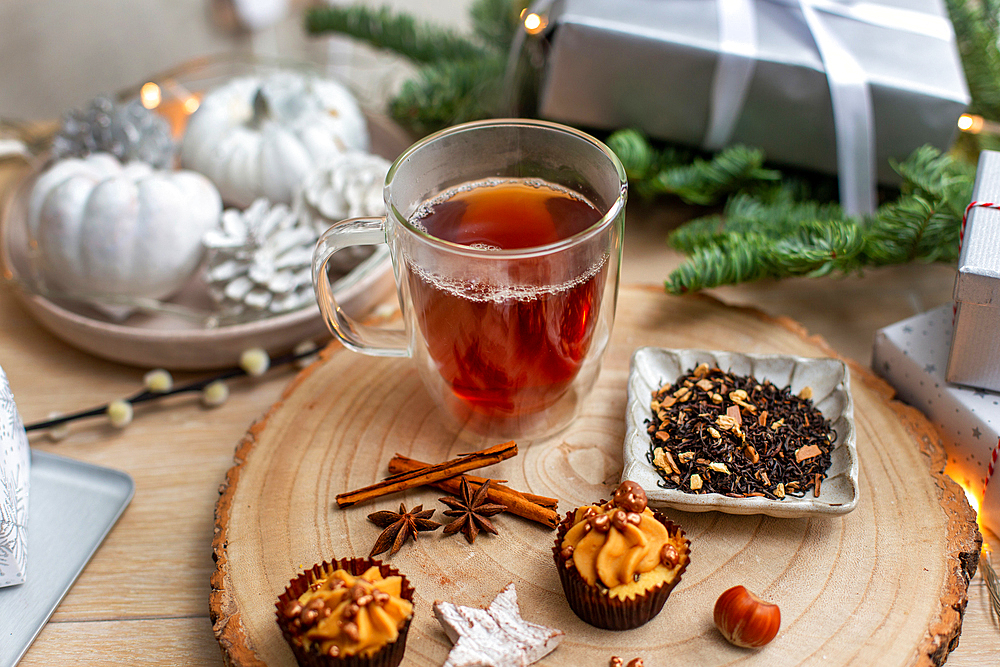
(143, 598)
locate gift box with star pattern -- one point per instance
(15, 458)
(912, 356)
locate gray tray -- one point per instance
(71, 507)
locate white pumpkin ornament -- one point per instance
(107, 229)
(259, 137)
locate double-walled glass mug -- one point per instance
(506, 241)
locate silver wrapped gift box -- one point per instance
(974, 358)
(15, 458)
(710, 73)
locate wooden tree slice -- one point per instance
(885, 584)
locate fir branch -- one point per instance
(976, 35)
(420, 42)
(774, 235)
(450, 93)
(912, 229)
(938, 177)
(817, 249)
(496, 21)
(707, 182)
(462, 78)
(774, 217)
(733, 258)
(636, 154)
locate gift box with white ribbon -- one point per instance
(912, 355)
(15, 458)
(835, 86)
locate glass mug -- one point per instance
(506, 240)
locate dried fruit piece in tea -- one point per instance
(713, 431)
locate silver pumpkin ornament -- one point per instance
(128, 131)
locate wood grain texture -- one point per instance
(883, 585)
(179, 453)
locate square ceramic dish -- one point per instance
(829, 380)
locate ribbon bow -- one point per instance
(853, 116)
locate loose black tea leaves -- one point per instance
(717, 432)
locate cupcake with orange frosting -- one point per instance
(618, 561)
(353, 612)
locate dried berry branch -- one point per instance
(159, 384)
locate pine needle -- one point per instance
(707, 182)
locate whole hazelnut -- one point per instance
(745, 619)
(630, 497)
(619, 519)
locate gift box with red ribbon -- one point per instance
(974, 358)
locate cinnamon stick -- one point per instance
(400, 463)
(430, 474)
(517, 502)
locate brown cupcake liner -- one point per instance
(597, 607)
(389, 655)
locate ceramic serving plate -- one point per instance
(180, 333)
(829, 380)
(174, 335)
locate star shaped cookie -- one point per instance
(496, 635)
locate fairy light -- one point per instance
(974, 124)
(534, 23)
(972, 498)
(191, 104)
(971, 124)
(150, 95)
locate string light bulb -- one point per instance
(534, 23)
(150, 95)
(974, 124)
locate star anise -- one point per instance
(471, 510)
(400, 526)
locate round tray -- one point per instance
(171, 336)
(881, 585)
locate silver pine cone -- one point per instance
(348, 185)
(260, 260)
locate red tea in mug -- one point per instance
(508, 347)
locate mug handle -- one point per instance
(360, 337)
